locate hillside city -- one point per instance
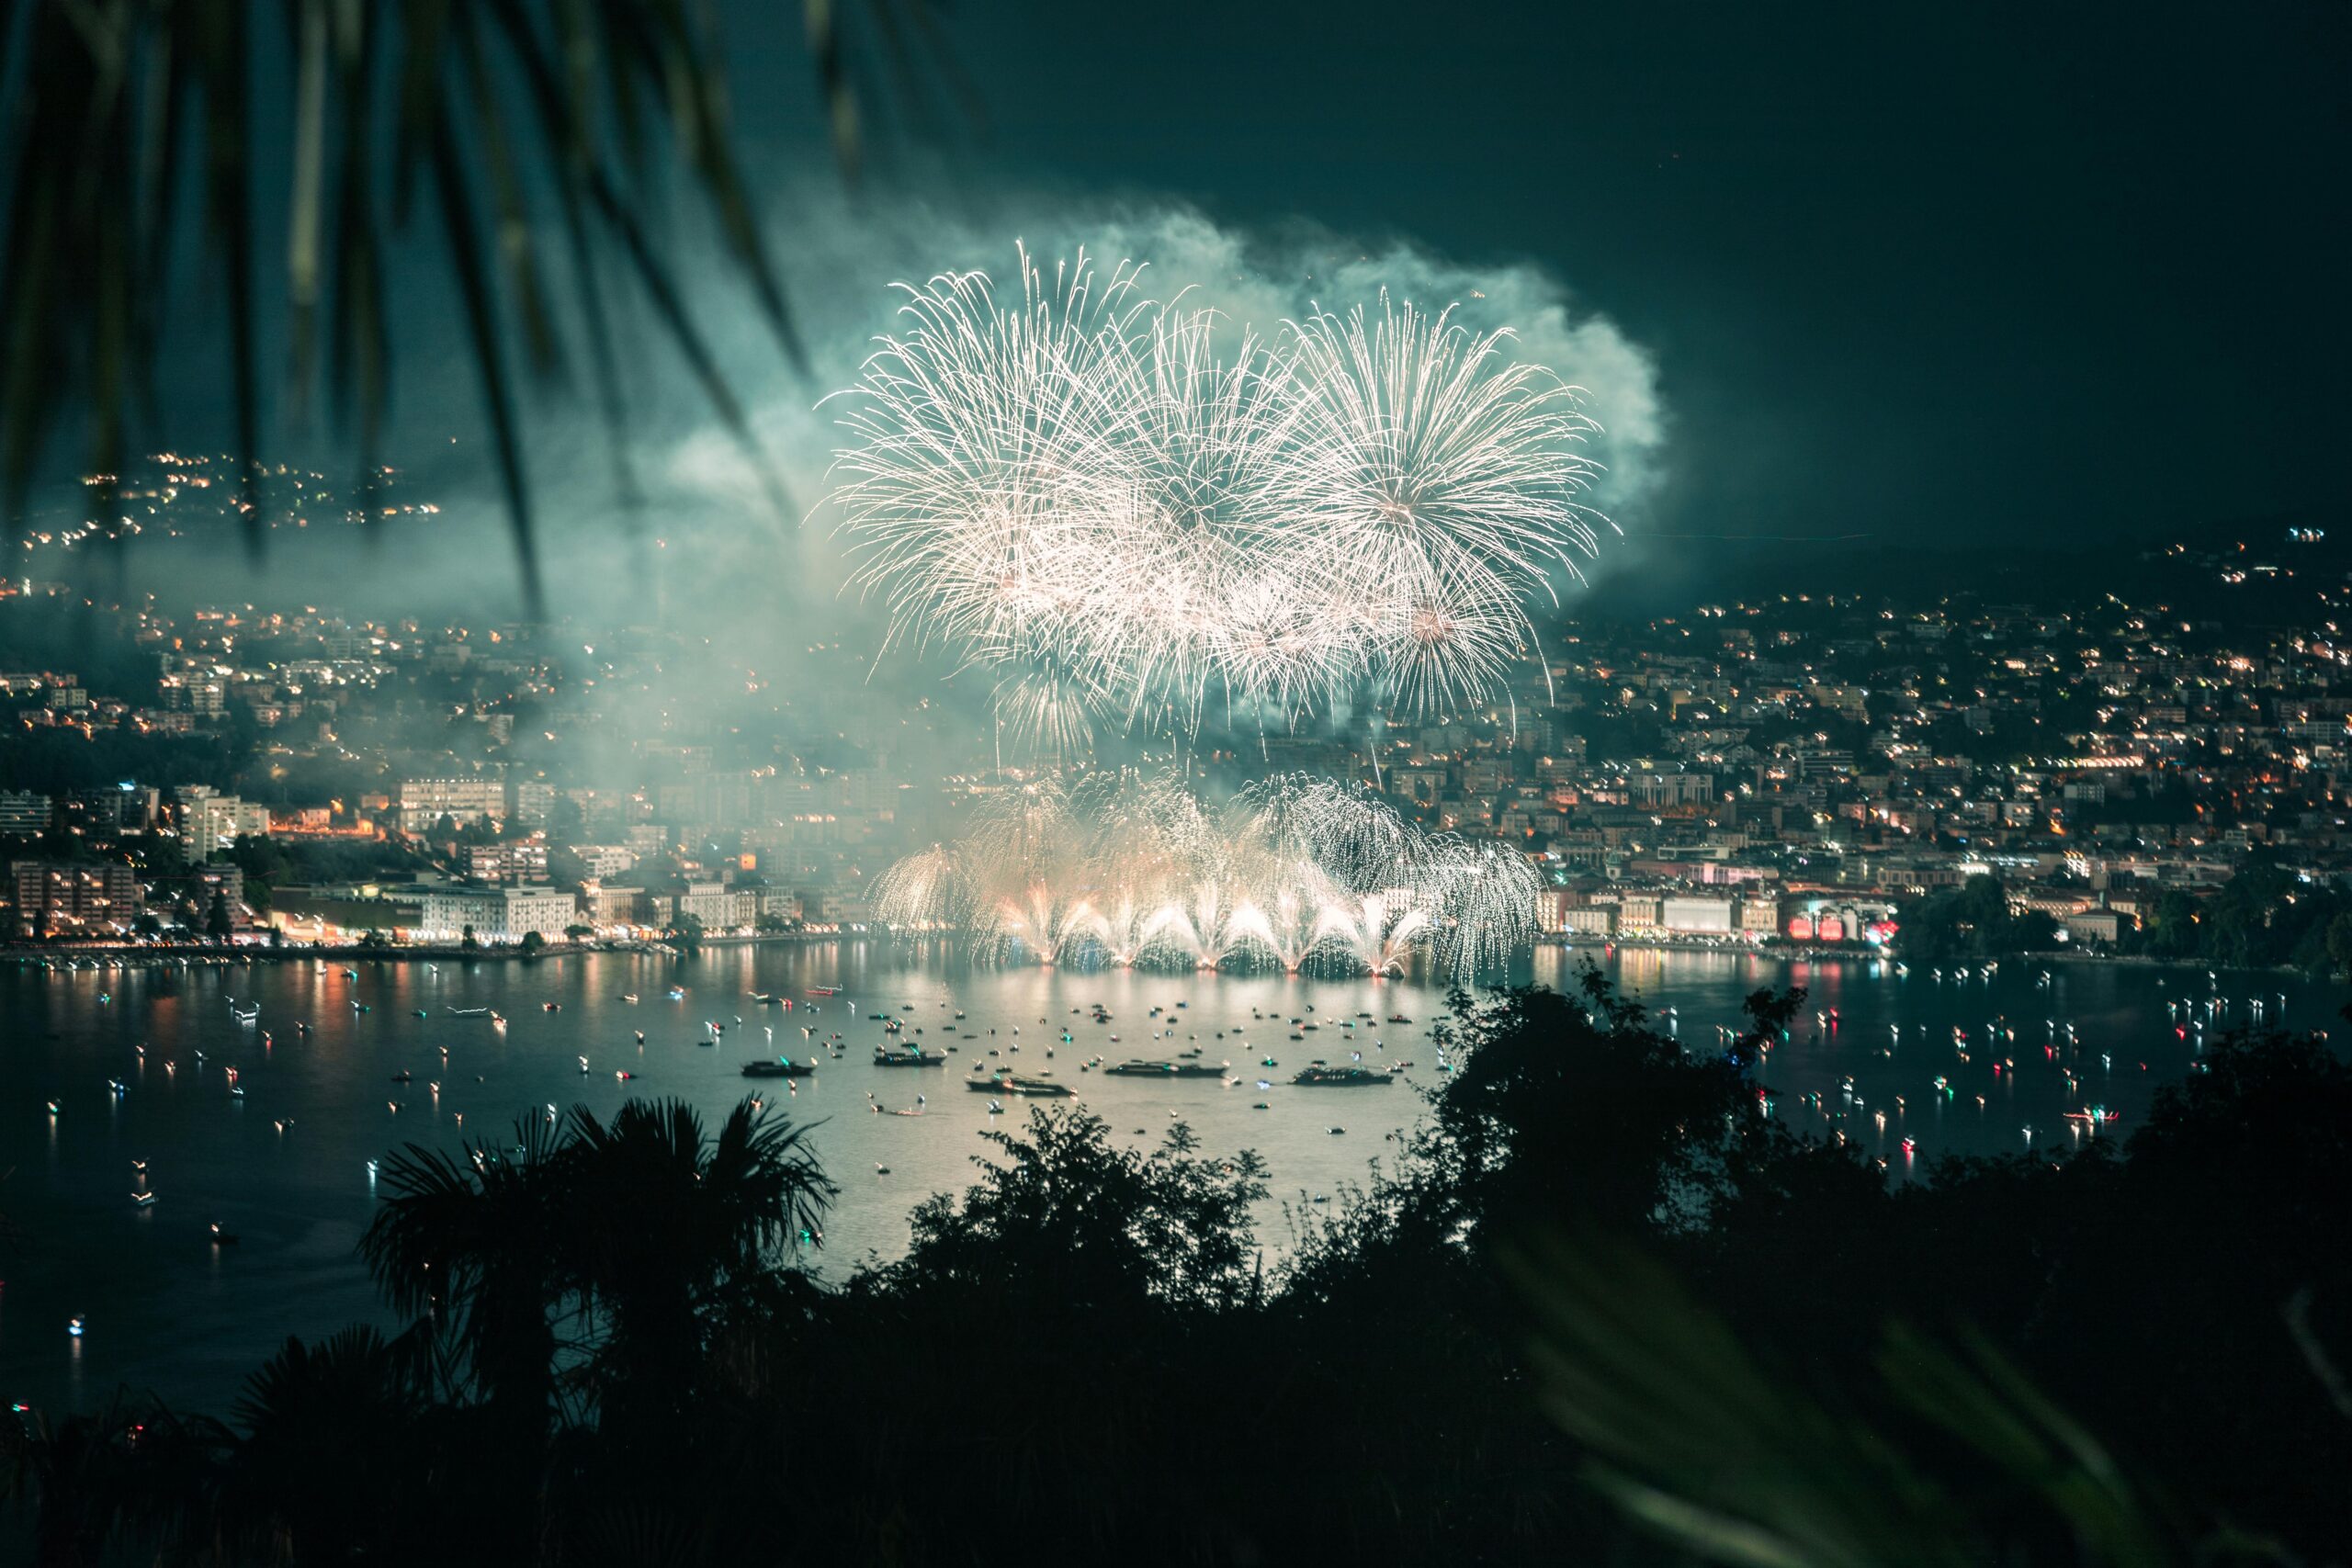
(1955, 774)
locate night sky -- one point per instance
(1975, 278)
(1964, 275)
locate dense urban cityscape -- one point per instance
(1812, 770)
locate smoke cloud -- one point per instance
(844, 255)
(703, 548)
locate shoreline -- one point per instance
(124, 956)
(110, 955)
(1849, 954)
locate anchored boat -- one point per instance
(1341, 1078)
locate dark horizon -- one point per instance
(1960, 283)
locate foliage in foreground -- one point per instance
(1599, 1307)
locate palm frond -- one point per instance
(116, 104)
(1693, 1437)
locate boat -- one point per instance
(143, 1199)
(911, 1057)
(551, 1007)
(1341, 1078)
(824, 990)
(221, 1238)
(244, 1014)
(628, 996)
(1398, 1018)
(1032, 1089)
(468, 1012)
(782, 1067)
(1138, 1068)
(400, 1078)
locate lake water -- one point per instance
(286, 1165)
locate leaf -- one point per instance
(223, 61)
(304, 218)
(481, 321)
(102, 96)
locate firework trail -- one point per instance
(1297, 871)
(1136, 513)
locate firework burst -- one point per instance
(1138, 514)
(1295, 872)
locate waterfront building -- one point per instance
(495, 914)
(72, 900)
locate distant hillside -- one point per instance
(2284, 569)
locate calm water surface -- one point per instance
(285, 1167)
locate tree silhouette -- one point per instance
(313, 1419)
(617, 1249)
(1065, 1223)
(1597, 1307)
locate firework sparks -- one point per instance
(1135, 513)
(1297, 871)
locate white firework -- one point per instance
(1297, 871)
(1171, 517)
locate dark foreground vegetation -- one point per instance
(1599, 1309)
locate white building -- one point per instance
(1590, 920)
(533, 800)
(496, 914)
(1706, 917)
(718, 907)
(1671, 789)
(604, 861)
(211, 822)
(424, 802)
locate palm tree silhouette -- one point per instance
(332, 1450)
(674, 1237)
(475, 1244)
(536, 136)
(593, 1265)
(130, 1471)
